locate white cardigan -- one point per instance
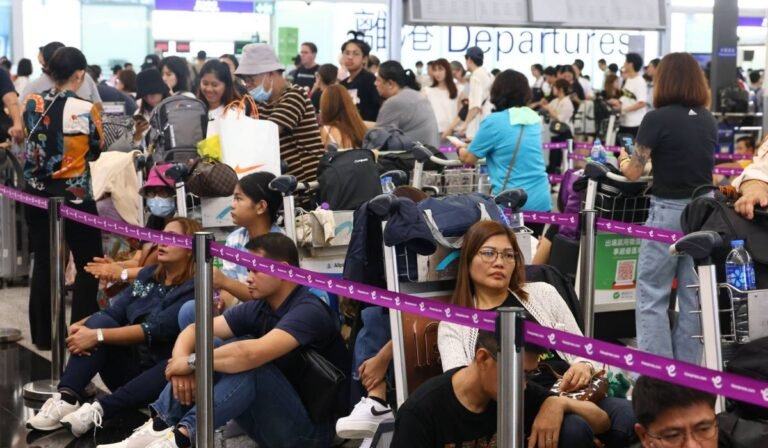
(457, 342)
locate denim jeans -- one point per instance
(134, 384)
(622, 432)
(656, 270)
(263, 403)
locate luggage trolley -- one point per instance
(415, 357)
(610, 196)
(457, 177)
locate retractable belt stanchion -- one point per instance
(567, 152)
(587, 259)
(204, 338)
(509, 331)
(181, 199)
(44, 389)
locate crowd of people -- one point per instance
(141, 342)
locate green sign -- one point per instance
(615, 267)
(287, 45)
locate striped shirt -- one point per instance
(300, 144)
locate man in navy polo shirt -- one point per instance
(254, 383)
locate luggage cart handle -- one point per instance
(288, 184)
(513, 199)
(698, 245)
(399, 177)
(596, 171)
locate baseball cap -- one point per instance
(258, 59)
(475, 53)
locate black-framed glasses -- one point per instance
(490, 255)
(675, 439)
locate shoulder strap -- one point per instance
(514, 157)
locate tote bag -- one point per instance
(248, 144)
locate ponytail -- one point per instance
(393, 71)
(410, 80)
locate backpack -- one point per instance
(405, 161)
(734, 99)
(177, 124)
(750, 360)
(348, 178)
(584, 119)
(451, 216)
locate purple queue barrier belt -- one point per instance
(555, 179)
(727, 171)
(432, 309)
(555, 145)
(638, 231)
(551, 218)
(608, 148)
(720, 156)
(24, 198)
(128, 230)
(670, 370)
(731, 386)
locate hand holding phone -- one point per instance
(628, 143)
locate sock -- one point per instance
(182, 441)
(69, 398)
(379, 400)
(158, 424)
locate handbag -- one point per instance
(117, 132)
(211, 179)
(559, 130)
(320, 385)
(596, 390)
(248, 144)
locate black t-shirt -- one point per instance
(305, 77)
(682, 142)
(6, 85)
(363, 88)
(433, 417)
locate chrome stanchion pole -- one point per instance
(44, 389)
(587, 259)
(509, 331)
(567, 152)
(289, 213)
(204, 338)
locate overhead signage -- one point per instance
(244, 6)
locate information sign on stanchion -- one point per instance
(44, 389)
(204, 338)
(509, 331)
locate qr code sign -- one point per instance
(625, 272)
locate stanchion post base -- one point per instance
(40, 390)
(8, 335)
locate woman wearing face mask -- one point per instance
(151, 90)
(360, 82)
(491, 275)
(127, 344)
(443, 94)
(404, 107)
(64, 134)
(176, 76)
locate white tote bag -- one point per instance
(248, 144)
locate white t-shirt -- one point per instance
(444, 107)
(585, 84)
(564, 108)
(479, 96)
(634, 91)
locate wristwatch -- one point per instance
(191, 361)
(124, 275)
(99, 336)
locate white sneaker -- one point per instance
(50, 415)
(169, 441)
(363, 421)
(84, 419)
(142, 437)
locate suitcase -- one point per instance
(14, 241)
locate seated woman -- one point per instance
(127, 344)
(492, 274)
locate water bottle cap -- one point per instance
(597, 142)
(386, 179)
(737, 243)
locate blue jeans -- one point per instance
(622, 432)
(656, 270)
(263, 403)
(575, 432)
(134, 384)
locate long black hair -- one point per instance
(393, 71)
(221, 71)
(180, 68)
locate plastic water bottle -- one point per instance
(598, 152)
(387, 186)
(740, 273)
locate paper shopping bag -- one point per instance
(248, 144)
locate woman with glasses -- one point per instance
(491, 275)
(360, 82)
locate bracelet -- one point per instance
(624, 162)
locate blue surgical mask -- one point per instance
(162, 207)
(261, 95)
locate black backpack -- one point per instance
(734, 99)
(348, 178)
(750, 360)
(177, 125)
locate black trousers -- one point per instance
(85, 243)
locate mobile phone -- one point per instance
(628, 143)
(456, 141)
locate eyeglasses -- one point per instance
(676, 439)
(489, 255)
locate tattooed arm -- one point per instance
(632, 167)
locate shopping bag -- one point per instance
(248, 144)
(210, 148)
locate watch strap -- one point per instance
(99, 335)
